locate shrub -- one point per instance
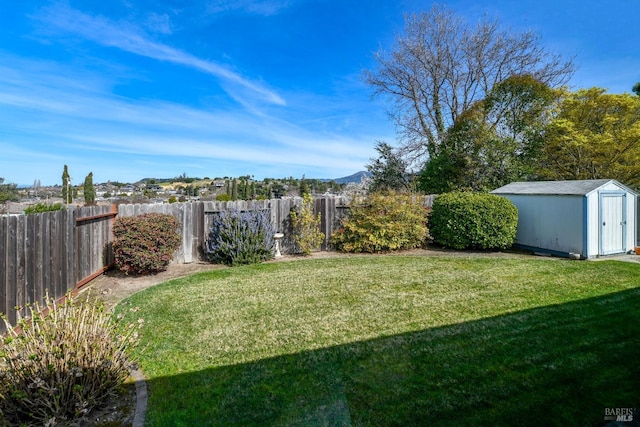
(382, 223)
(58, 366)
(239, 238)
(306, 227)
(224, 197)
(474, 221)
(145, 243)
(44, 207)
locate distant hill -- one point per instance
(355, 178)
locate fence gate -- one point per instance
(52, 252)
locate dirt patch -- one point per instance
(114, 286)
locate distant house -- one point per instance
(587, 217)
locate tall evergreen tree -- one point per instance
(89, 190)
(389, 171)
(304, 187)
(67, 193)
(234, 190)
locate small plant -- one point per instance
(145, 243)
(474, 221)
(382, 223)
(238, 238)
(306, 227)
(43, 207)
(57, 366)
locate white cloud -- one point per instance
(258, 7)
(158, 23)
(66, 115)
(131, 39)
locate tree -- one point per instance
(388, 171)
(8, 192)
(67, 191)
(636, 88)
(303, 188)
(441, 66)
(89, 190)
(595, 136)
(234, 190)
(496, 141)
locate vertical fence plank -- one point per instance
(44, 253)
(4, 279)
(12, 276)
(32, 256)
(21, 262)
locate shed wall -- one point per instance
(632, 221)
(593, 224)
(551, 222)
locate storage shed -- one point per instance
(587, 217)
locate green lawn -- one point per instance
(393, 340)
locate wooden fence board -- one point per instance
(21, 235)
(4, 277)
(12, 275)
(43, 253)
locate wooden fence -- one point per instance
(56, 252)
(195, 219)
(52, 252)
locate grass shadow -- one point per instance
(556, 365)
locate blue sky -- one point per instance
(129, 89)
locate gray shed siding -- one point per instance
(553, 223)
(565, 217)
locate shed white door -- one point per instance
(612, 223)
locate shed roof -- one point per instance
(575, 187)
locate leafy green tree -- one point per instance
(278, 190)
(8, 192)
(43, 207)
(496, 141)
(67, 191)
(636, 88)
(89, 190)
(595, 136)
(389, 171)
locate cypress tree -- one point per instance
(234, 190)
(67, 194)
(89, 190)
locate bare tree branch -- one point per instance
(440, 66)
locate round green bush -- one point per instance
(145, 243)
(473, 221)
